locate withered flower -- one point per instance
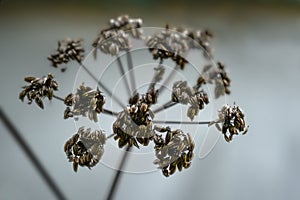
(173, 151)
(112, 42)
(38, 89)
(150, 97)
(169, 43)
(85, 102)
(128, 25)
(222, 81)
(67, 50)
(217, 76)
(232, 119)
(184, 94)
(203, 39)
(85, 148)
(134, 124)
(115, 38)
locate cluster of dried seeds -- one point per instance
(232, 119)
(85, 148)
(134, 124)
(182, 93)
(116, 37)
(85, 102)
(173, 151)
(217, 76)
(38, 89)
(67, 50)
(169, 43)
(128, 25)
(203, 40)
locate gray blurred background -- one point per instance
(259, 41)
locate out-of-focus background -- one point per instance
(259, 41)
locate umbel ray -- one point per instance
(135, 125)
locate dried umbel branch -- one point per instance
(85, 102)
(38, 89)
(67, 50)
(232, 119)
(173, 151)
(85, 148)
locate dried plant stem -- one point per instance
(118, 175)
(179, 122)
(167, 105)
(122, 71)
(110, 136)
(168, 79)
(102, 85)
(58, 98)
(32, 157)
(153, 82)
(105, 111)
(131, 73)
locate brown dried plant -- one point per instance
(134, 125)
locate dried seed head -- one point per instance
(127, 24)
(184, 94)
(217, 76)
(67, 50)
(233, 122)
(176, 150)
(201, 39)
(133, 126)
(169, 43)
(115, 38)
(85, 102)
(38, 89)
(85, 148)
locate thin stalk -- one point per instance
(118, 175)
(32, 157)
(153, 82)
(131, 73)
(167, 105)
(105, 111)
(179, 122)
(102, 85)
(110, 136)
(122, 71)
(168, 79)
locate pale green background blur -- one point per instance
(258, 41)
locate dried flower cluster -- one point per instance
(169, 44)
(202, 39)
(38, 89)
(85, 148)
(116, 37)
(233, 122)
(176, 42)
(184, 94)
(134, 125)
(67, 50)
(85, 102)
(218, 77)
(173, 151)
